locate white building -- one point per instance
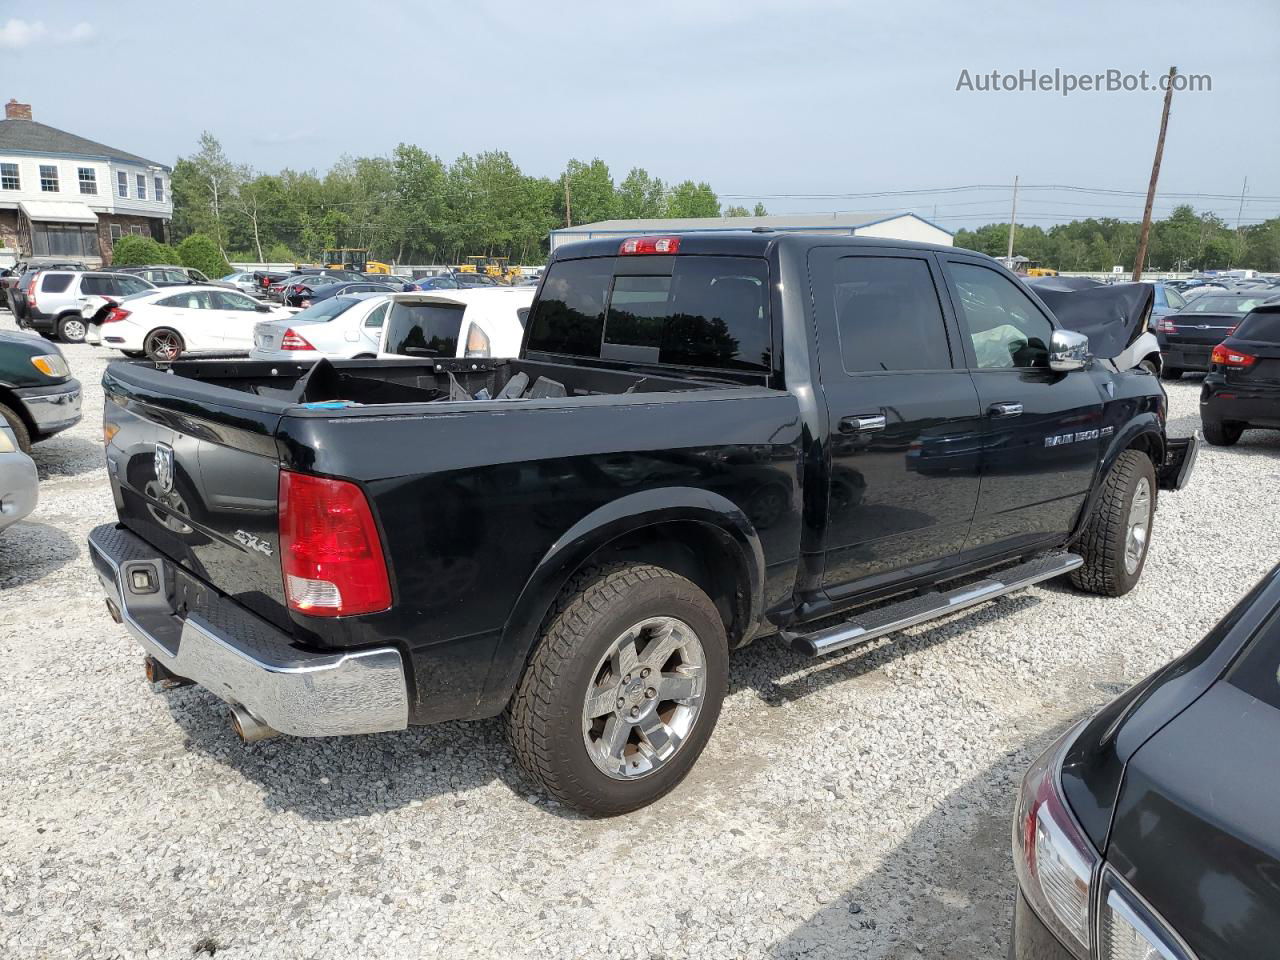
(891, 225)
(64, 196)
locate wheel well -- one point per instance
(10, 400)
(701, 553)
(1150, 445)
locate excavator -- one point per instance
(497, 267)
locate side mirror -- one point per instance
(1068, 350)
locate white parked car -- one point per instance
(486, 322)
(243, 281)
(171, 322)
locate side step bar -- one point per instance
(929, 606)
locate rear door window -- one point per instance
(127, 286)
(97, 286)
(888, 316)
(377, 318)
(424, 329)
(693, 311)
(55, 282)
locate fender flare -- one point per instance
(597, 529)
(1144, 425)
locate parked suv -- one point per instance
(54, 300)
(15, 284)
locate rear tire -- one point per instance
(1172, 373)
(1115, 540)
(163, 345)
(1222, 434)
(623, 690)
(72, 329)
(19, 428)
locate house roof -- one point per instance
(31, 137)
(794, 221)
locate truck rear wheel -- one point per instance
(623, 689)
(1114, 542)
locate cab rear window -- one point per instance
(691, 311)
(424, 329)
(1258, 671)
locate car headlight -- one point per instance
(51, 365)
(1065, 882)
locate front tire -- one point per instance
(163, 345)
(1222, 434)
(19, 428)
(1115, 540)
(623, 690)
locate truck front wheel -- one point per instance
(623, 690)
(1114, 542)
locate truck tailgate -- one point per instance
(200, 483)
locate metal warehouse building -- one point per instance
(891, 225)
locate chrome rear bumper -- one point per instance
(242, 658)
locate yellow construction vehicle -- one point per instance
(353, 258)
(497, 267)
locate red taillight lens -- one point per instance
(643, 245)
(115, 314)
(330, 552)
(298, 288)
(1164, 325)
(1230, 357)
(294, 341)
(31, 292)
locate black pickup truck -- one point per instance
(706, 439)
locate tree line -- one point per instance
(1186, 240)
(412, 207)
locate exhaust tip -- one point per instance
(114, 611)
(248, 727)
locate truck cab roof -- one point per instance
(746, 243)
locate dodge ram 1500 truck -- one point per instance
(706, 439)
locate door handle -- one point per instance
(862, 424)
(1005, 409)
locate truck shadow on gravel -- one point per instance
(339, 778)
(30, 551)
(64, 456)
(946, 892)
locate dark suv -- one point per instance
(1187, 338)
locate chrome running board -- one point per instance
(929, 606)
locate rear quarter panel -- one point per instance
(473, 499)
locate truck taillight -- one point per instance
(649, 245)
(330, 551)
(292, 340)
(1229, 357)
(115, 314)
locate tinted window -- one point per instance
(55, 282)
(225, 300)
(97, 286)
(424, 330)
(184, 301)
(888, 315)
(569, 315)
(1258, 671)
(130, 285)
(1176, 300)
(375, 320)
(1006, 327)
(1261, 325)
(326, 309)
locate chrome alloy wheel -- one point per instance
(73, 331)
(163, 345)
(645, 698)
(1135, 541)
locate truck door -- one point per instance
(904, 423)
(1041, 429)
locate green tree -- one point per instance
(201, 253)
(132, 250)
(641, 196)
(736, 212)
(204, 188)
(591, 194)
(689, 199)
(759, 210)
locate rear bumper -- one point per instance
(1186, 356)
(19, 487)
(1237, 403)
(242, 658)
(52, 408)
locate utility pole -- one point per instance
(568, 210)
(1013, 217)
(1155, 175)
(1235, 246)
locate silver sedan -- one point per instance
(18, 480)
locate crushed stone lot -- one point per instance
(857, 806)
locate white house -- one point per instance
(64, 196)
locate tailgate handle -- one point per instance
(1006, 410)
(862, 424)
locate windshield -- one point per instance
(325, 310)
(1211, 304)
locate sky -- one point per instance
(806, 106)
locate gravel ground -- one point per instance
(854, 807)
